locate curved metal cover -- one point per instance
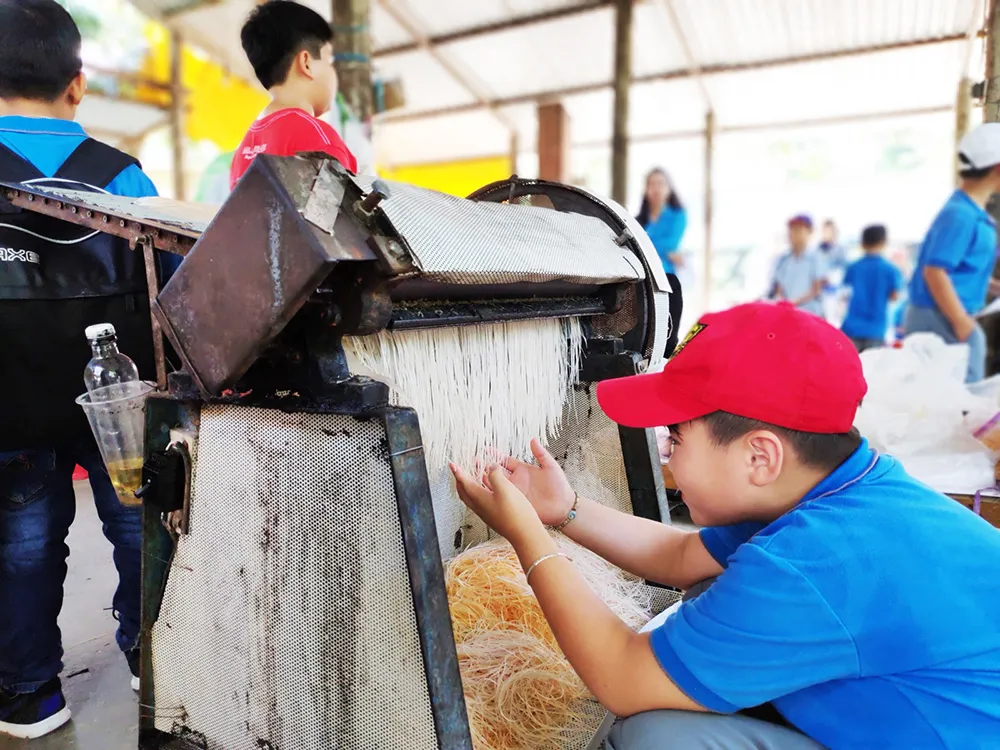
(575, 200)
(458, 241)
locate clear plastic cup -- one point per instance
(117, 415)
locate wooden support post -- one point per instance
(177, 106)
(709, 159)
(353, 47)
(991, 110)
(553, 142)
(963, 115)
(622, 80)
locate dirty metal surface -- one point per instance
(112, 214)
(288, 616)
(253, 270)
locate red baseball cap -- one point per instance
(764, 361)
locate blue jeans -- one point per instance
(930, 320)
(37, 507)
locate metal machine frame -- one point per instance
(311, 375)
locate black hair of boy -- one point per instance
(276, 32)
(873, 236)
(39, 50)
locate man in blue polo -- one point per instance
(957, 256)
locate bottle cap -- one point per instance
(100, 331)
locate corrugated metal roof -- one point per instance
(570, 55)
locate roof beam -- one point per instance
(754, 128)
(464, 79)
(518, 22)
(707, 70)
(189, 6)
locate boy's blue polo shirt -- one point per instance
(872, 280)
(963, 241)
(48, 142)
(869, 616)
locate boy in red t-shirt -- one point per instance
(291, 49)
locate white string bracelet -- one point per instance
(540, 560)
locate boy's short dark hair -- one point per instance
(873, 236)
(39, 50)
(820, 451)
(276, 32)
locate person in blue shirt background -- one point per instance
(41, 87)
(663, 217)
(957, 257)
(874, 283)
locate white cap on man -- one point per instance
(980, 147)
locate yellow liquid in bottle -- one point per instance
(126, 476)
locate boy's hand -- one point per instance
(501, 505)
(545, 485)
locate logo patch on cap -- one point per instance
(695, 330)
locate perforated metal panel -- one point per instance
(454, 240)
(287, 621)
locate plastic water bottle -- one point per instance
(112, 381)
(108, 365)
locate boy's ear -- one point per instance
(77, 89)
(303, 64)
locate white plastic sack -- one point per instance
(919, 410)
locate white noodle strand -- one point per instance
(480, 391)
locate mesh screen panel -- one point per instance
(287, 620)
(454, 240)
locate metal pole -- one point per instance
(709, 157)
(623, 78)
(177, 111)
(353, 51)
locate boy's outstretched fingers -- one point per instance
(472, 493)
(544, 458)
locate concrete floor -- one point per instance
(96, 679)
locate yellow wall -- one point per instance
(220, 107)
(455, 178)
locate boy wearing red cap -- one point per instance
(857, 602)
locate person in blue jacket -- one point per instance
(663, 217)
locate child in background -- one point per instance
(874, 283)
(290, 48)
(800, 274)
